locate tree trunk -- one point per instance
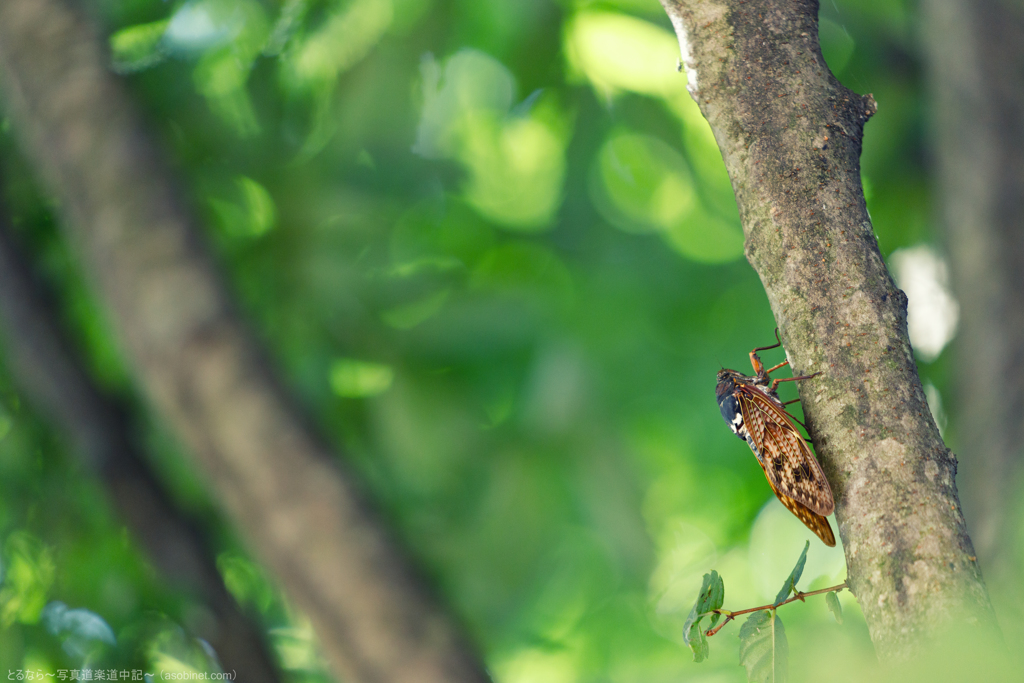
(976, 67)
(60, 391)
(790, 135)
(200, 367)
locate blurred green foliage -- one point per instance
(494, 250)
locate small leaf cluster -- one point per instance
(764, 650)
(709, 600)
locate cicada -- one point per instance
(752, 409)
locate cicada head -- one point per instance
(725, 393)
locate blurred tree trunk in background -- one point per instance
(975, 55)
(61, 391)
(201, 369)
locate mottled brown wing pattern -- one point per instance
(791, 468)
(813, 521)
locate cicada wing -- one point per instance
(812, 520)
(789, 464)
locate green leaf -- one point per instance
(352, 378)
(794, 576)
(832, 600)
(764, 652)
(29, 573)
(711, 597)
(712, 593)
(697, 641)
(138, 47)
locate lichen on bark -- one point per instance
(790, 135)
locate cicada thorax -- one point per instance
(752, 409)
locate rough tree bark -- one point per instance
(200, 367)
(96, 425)
(976, 66)
(790, 135)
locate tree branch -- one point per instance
(200, 367)
(790, 135)
(729, 616)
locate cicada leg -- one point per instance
(777, 344)
(756, 362)
(775, 383)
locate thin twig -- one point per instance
(729, 616)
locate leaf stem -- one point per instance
(729, 616)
